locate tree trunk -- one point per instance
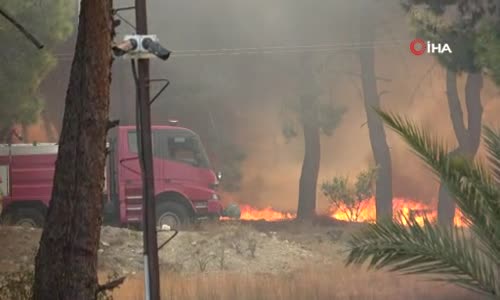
(312, 155)
(468, 138)
(51, 135)
(66, 263)
(380, 149)
(25, 133)
(5, 134)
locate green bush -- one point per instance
(347, 197)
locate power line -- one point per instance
(275, 49)
(331, 45)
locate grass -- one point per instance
(314, 283)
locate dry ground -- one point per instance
(256, 260)
(313, 283)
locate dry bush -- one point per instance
(314, 283)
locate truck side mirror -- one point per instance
(219, 175)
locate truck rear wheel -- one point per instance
(25, 218)
(172, 214)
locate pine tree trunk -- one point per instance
(51, 135)
(312, 155)
(66, 263)
(380, 149)
(5, 134)
(468, 138)
(25, 133)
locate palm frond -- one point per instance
(424, 249)
(473, 187)
(492, 141)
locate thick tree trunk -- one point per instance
(468, 138)
(66, 263)
(312, 155)
(380, 149)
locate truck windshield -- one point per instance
(176, 145)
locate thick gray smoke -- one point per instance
(239, 95)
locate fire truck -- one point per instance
(185, 183)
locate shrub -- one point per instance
(350, 198)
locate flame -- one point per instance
(249, 213)
(365, 213)
(401, 207)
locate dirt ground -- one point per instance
(254, 260)
(227, 246)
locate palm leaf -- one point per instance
(473, 187)
(424, 249)
(492, 141)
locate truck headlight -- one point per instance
(215, 196)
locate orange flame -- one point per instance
(249, 213)
(365, 213)
(401, 206)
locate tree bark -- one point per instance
(66, 262)
(380, 149)
(468, 138)
(312, 155)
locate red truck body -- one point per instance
(185, 184)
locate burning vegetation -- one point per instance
(403, 208)
(353, 201)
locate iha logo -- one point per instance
(419, 47)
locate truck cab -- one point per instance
(185, 183)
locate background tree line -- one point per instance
(23, 66)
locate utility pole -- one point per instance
(152, 274)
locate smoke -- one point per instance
(239, 95)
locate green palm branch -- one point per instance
(469, 258)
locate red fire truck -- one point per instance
(185, 184)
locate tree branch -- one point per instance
(421, 80)
(113, 124)
(111, 285)
(21, 28)
(383, 93)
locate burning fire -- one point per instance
(402, 206)
(365, 213)
(249, 213)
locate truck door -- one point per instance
(4, 183)
(130, 180)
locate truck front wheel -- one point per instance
(172, 214)
(25, 218)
